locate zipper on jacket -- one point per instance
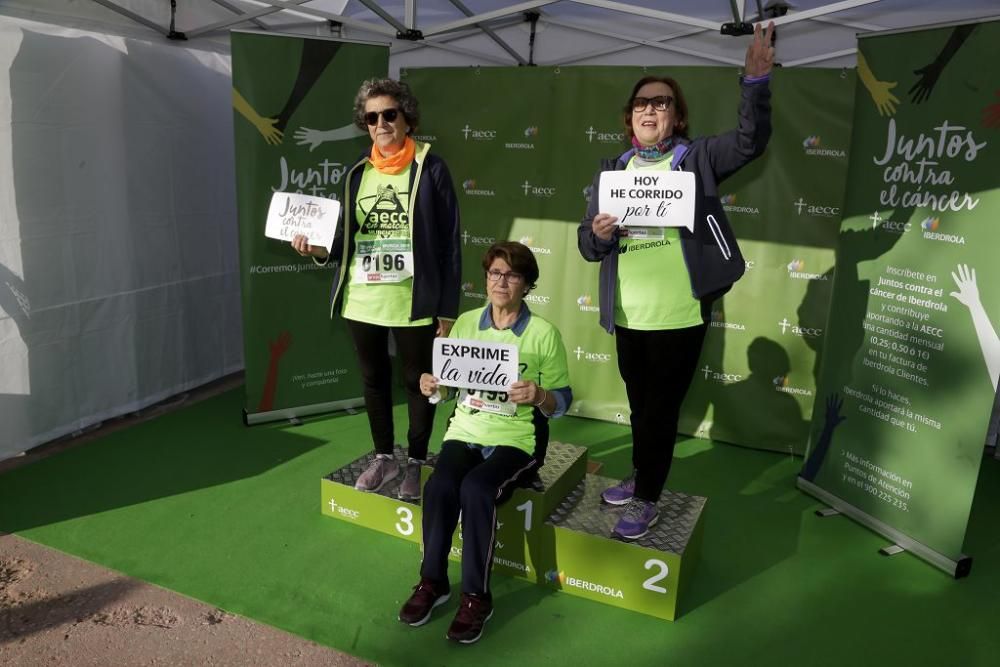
(343, 270)
(720, 240)
(413, 203)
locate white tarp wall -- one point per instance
(119, 281)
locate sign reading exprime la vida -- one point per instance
(474, 364)
(649, 198)
(314, 217)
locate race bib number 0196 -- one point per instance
(383, 261)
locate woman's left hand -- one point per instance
(525, 392)
(760, 53)
(444, 327)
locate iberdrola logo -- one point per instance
(468, 184)
(526, 240)
(930, 224)
(531, 131)
(812, 141)
(780, 381)
(728, 200)
(796, 265)
(468, 287)
(552, 576)
(584, 302)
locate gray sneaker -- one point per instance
(409, 488)
(382, 469)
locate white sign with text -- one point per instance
(475, 364)
(292, 213)
(648, 198)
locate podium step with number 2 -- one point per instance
(557, 533)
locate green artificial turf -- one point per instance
(195, 502)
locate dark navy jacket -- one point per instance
(434, 228)
(710, 252)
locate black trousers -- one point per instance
(464, 481)
(657, 367)
(415, 349)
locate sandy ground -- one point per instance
(56, 609)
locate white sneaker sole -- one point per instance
(476, 638)
(437, 603)
(616, 503)
(642, 534)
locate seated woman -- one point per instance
(488, 450)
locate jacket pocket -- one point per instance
(720, 240)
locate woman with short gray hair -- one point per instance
(399, 270)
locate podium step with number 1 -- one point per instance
(556, 533)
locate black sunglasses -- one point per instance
(660, 102)
(390, 116)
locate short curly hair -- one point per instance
(398, 91)
(519, 258)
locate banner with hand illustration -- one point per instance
(912, 356)
(298, 360)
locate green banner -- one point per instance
(293, 101)
(912, 355)
(524, 145)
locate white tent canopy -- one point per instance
(482, 32)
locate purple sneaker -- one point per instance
(639, 515)
(620, 493)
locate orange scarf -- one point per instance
(397, 163)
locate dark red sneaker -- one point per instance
(426, 595)
(473, 612)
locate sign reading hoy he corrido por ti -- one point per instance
(648, 198)
(474, 364)
(314, 217)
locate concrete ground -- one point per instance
(56, 609)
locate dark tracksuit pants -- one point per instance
(657, 367)
(414, 346)
(464, 481)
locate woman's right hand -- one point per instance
(604, 226)
(428, 384)
(300, 244)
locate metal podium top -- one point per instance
(559, 458)
(583, 511)
(348, 475)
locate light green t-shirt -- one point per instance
(542, 359)
(379, 280)
(653, 290)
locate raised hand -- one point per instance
(760, 53)
(265, 126)
(833, 417)
(922, 89)
(968, 290)
(884, 101)
(305, 136)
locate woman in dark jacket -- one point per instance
(657, 284)
(400, 268)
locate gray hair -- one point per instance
(397, 90)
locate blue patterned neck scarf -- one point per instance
(655, 152)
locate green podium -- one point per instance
(557, 533)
